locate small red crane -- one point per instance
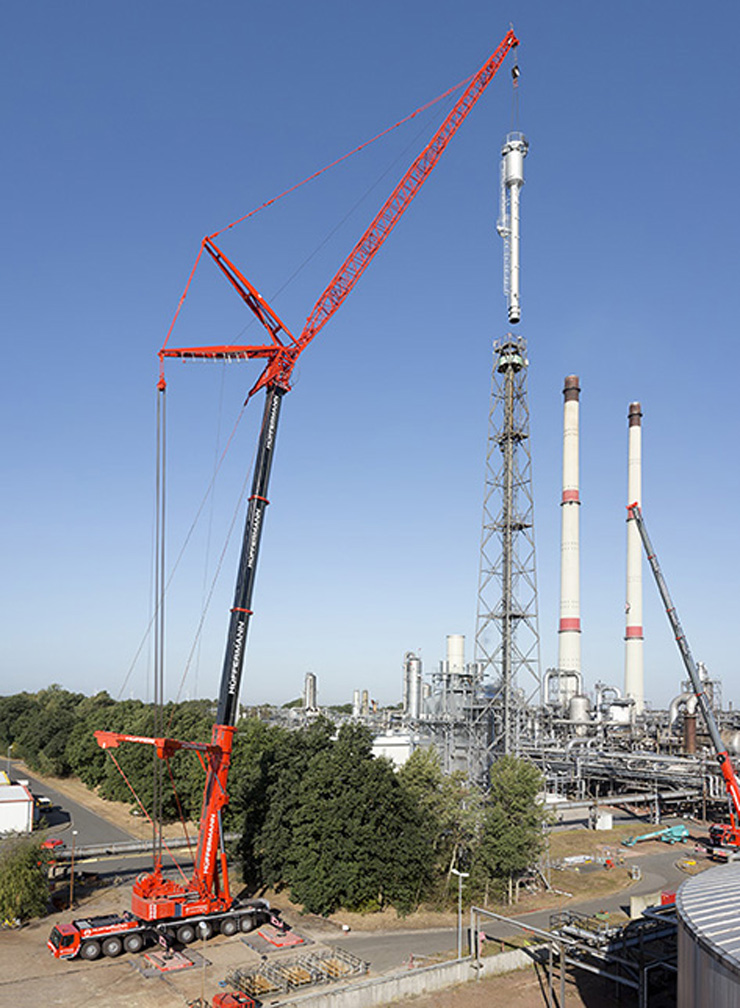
(721, 835)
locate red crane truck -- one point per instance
(161, 908)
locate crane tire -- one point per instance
(186, 934)
(247, 923)
(90, 950)
(112, 946)
(229, 926)
(133, 943)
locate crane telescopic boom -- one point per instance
(728, 835)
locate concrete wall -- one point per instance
(367, 993)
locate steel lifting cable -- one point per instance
(206, 606)
(181, 553)
(159, 614)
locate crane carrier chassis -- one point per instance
(112, 934)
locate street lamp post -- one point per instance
(460, 876)
(72, 871)
(203, 929)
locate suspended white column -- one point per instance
(512, 179)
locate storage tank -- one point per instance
(455, 654)
(709, 939)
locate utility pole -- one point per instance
(72, 871)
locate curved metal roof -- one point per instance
(707, 905)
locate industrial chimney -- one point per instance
(569, 630)
(633, 648)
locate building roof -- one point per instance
(15, 793)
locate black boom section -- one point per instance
(228, 701)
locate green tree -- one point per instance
(453, 809)
(512, 835)
(276, 797)
(358, 839)
(24, 886)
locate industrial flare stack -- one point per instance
(569, 629)
(633, 649)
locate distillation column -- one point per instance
(512, 179)
(633, 637)
(569, 630)
(412, 686)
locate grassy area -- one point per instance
(565, 843)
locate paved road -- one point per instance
(67, 815)
(392, 950)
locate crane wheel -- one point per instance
(186, 934)
(247, 923)
(112, 947)
(229, 926)
(90, 950)
(133, 943)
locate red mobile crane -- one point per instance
(160, 906)
(720, 834)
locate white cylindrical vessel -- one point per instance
(512, 179)
(309, 692)
(634, 686)
(569, 628)
(411, 685)
(455, 654)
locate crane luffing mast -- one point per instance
(724, 834)
(155, 897)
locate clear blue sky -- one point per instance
(130, 131)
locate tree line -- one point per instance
(319, 816)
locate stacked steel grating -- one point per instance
(298, 972)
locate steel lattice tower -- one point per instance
(507, 636)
